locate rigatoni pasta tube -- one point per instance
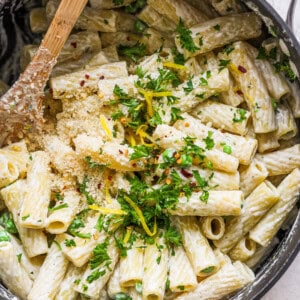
(213, 228)
(169, 137)
(281, 161)
(176, 10)
(94, 280)
(221, 181)
(243, 148)
(82, 251)
(294, 98)
(266, 229)
(197, 248)
(113, 285)
(226, 7)
(252, 176)
(253, 86)
(54, 269)
(34, 241)
(223, 116)
(155, 270)
(219, 203)
(8, 171)
(131, 266)
(38, 20)
(267, 142)
(255, 206)
(181, 273)
(18, 155)
(243, 250)
(232, 28)
(60, 218)
(226, 281)
(287, 127)
(109, 4)
(34, 209)
(12, 273)
(155, 20)
(114, 155)
(66, 289)
(233, 96)
(275, 82)
(77, 85)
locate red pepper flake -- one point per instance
(109, 177)
(82, 82)
(185, 173)
(87, 76)
(128, 38)
(120, 151)
(74, 44)
(242, 69)
(134, 165)
(193, 184)
(99, 185)
(51, 91)
(101, 77)
(239, 92)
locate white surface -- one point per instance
(288, 287)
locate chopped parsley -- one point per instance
(95, 275)
(178, 57)
(134, 52)
(185, 37)
(227, 149)
(19, 257)
(209, 142)
(24, 218)
(275, 105)
(172, 237)
(4, 236)
(217, 27)
(284, 66)
(121, 296)
(139, 26)
(100, 255)
(223, 64)
(75, 225)
(204, 197)
(7, 222)
(228, 49)
(140, 151)
(92, 164)
(83, 190)
(240, 116)
(139, 287)
(70, 243)
(118, 2)
(189, 86)
(135, 6)
(208, 269)
(175, 114)
(58, 207)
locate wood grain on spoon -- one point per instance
(21, 107)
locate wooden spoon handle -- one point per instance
(62, 24)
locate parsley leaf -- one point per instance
(7, 222)
(141, 151)
(58, 207)
(175, 114)
(223, 64)
(185, 37)
(118, 2)
(217, 27)
(70, 243)
(4, 236)
(173, 237)
(178, 57)
(100, 255)
(95, 275)
(75, 225)
(201, 181)
(133, 52)
(83, 189)
(209, 141)
(227, 149)
(121, 296)
(240, 116)
(204, 196)
(228, 49)
(189, 86)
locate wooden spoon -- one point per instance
(21, 107)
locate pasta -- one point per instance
(167, 162)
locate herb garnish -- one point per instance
(185, 37)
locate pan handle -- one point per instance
(290, 15)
